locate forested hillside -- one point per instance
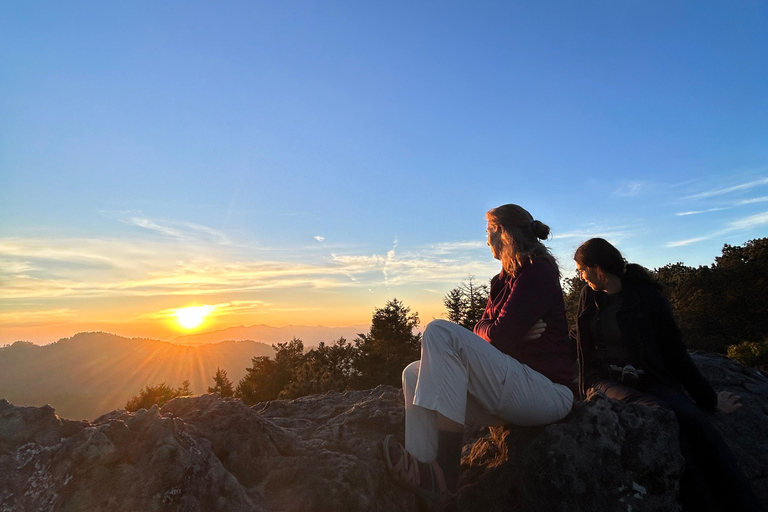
(93, 373)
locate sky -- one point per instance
(305, 162)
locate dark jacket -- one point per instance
(515, 305)
(647, 322)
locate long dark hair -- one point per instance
(520, 235)
(598, 252)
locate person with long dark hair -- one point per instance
(506, 371)
(631, 349)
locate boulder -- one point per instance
(323, 453)
(605, 456)
(746, 430)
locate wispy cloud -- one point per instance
(728, 190)
(750, 222)
(683, 214)
(185, 231)
(86, 268)
(453, 247)
(732, 205)
(16, 267)
(613, 234)
(689, 241)
(631, 188)
(22, 251)
(754, 200)
(738, 225)
(31, 317)
(391, 256)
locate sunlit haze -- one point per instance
(193, 316)
(304, 162)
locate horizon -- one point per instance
(280, 164)
(315, 332)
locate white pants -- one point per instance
(469, 381)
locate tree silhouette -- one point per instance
(222, 384)
(571, 292)
(388, 347)
(325, 368)
(156, 395)
(466, 303)
(267, 377)
(722, 304)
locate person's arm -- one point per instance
(525, 304)
(591, 365)
(496, 287)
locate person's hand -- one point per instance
(536, 331)
(727, 402)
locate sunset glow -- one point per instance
(192, 317)
(276, 163)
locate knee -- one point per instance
(411, 375)
(437, 333)
(437, 325)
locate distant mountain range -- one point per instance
(311, 335)
(93, 373)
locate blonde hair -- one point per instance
(519, 237)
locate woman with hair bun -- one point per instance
(509, 370)
(631, 349)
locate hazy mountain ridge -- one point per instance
(311, 335)
(93, 373)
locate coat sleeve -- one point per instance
(497, 283)
(527, 301)
(677, 359)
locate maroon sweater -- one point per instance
(514, 306)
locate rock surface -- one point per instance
(606, 456)
(323, 453)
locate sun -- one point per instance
(192, 317)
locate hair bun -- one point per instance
(539, 229)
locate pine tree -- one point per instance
(267, 377)
(222, 384)
(156, 395)
(389, 346)
(466, 303)
(325, 368)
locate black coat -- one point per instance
(647, 322)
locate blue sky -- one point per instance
(304, 162)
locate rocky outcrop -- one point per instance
(746, 430)
(322, 453)
(606, 456)
(204, 454)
